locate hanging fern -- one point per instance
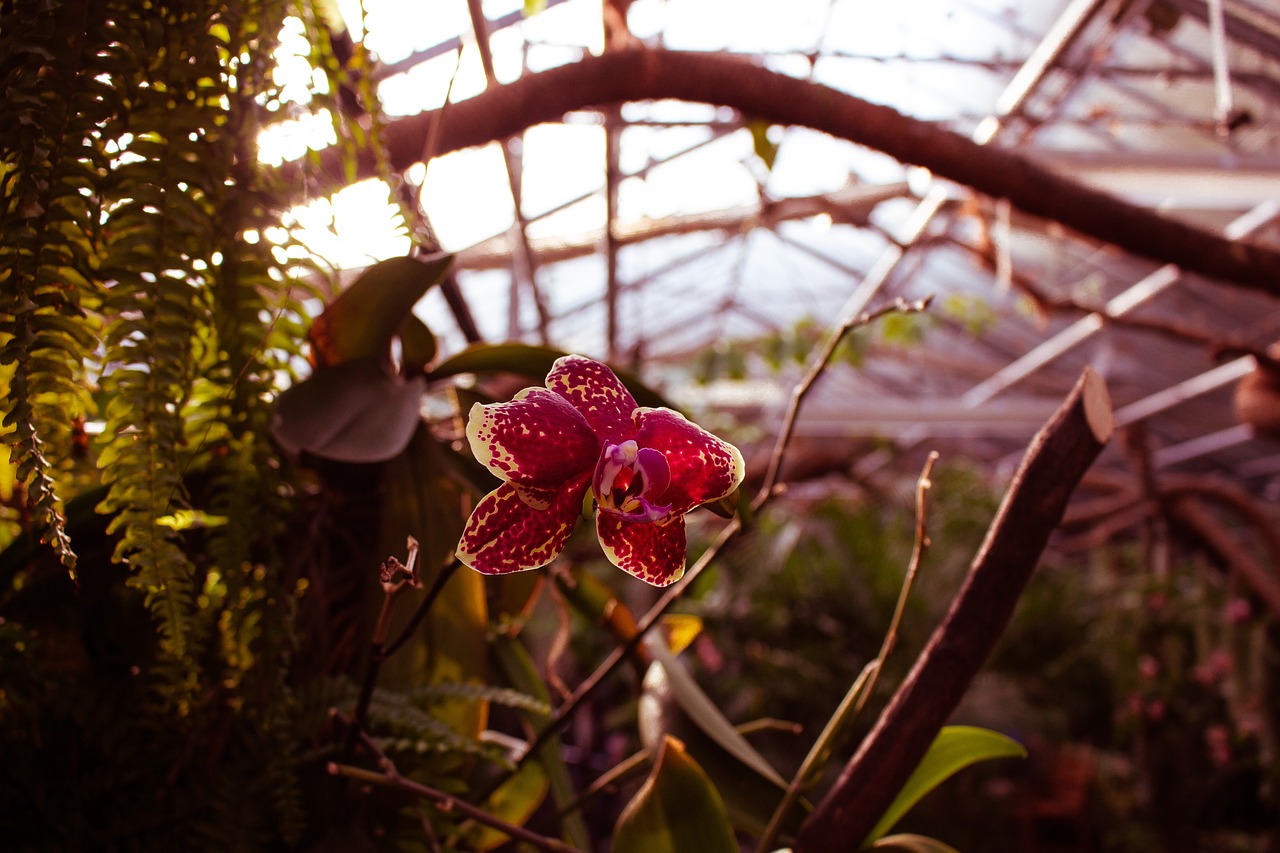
(159, 231)
(51, 170)
(194, 299)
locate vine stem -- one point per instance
(918, 549)
(865, 684)
(390, 778)
(396, 576)
(642, 74)
(817, 366)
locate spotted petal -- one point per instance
(536, 440)
(653, 552)
(505, 534)
(597, 393)
(703, 467)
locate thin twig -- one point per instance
(863, 687)
(817, 756)
(918, 550)
(396, 578)
(390, 778)
(430, 146)
(448, 802)
(592, 682)
(817, 366)
(612, 177)
(511, 164)
(627, 768)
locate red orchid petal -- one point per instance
(652, 552)
(595, 392)
(536, 440)
(703, 467)
(505, 534)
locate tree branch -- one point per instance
(1054, 463)
(645, 74)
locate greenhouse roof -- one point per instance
(712, 250)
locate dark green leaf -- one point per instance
(523, 675)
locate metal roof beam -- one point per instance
(1203, 383)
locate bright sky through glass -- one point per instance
(467, 196)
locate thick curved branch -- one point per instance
(1054, 463)
(646, 74)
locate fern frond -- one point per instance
(51, 161)
(504, 696)
(159, 228)
(400, 724)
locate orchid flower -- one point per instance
(645, 468)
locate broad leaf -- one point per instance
(677, 810)
(352, 412)
(526, 360)
(955, 748)
(417, 345)
(361, 321)
(673, 704)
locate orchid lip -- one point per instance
(629, 480)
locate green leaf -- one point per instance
(955, 748)
(677, 810)
(913, 844)
(673, 704)
(451, 645)
(729, 505)
(533, 7)
(361, 321)
(532, 362)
